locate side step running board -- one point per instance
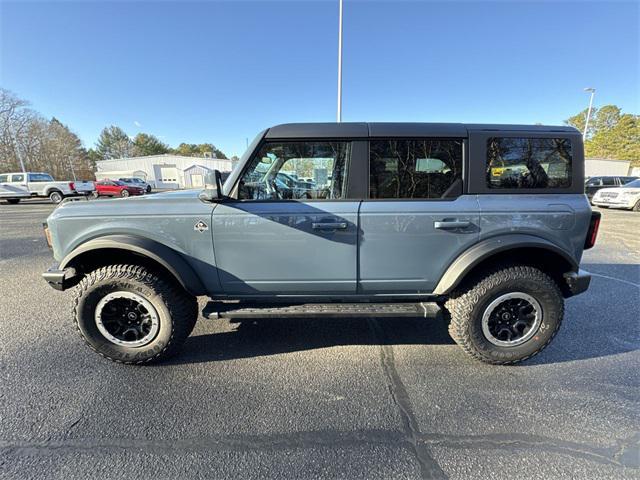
(216, 309)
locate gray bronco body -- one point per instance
(355, 248)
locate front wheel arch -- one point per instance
(115, 249)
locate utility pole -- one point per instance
(586, 123)
(73, 172)
(339, 114)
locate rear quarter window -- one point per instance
(528, 163)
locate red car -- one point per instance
(114, 188)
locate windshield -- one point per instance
(634, 184)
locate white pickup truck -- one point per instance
(17, 186)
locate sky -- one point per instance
(220, 72)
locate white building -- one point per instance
(162, 171)
(594, 167)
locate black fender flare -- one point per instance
(470, 258)
(167, 257)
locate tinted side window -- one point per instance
(609, 181)
(594, 182)
(4, 178)
(40, 177)
(297, 170)
(516, 162)
(17, 178)
(414, 168)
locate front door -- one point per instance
(280, 235)
(416, 220)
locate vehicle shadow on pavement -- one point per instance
(588, 330)
(264, 337)
(601, 322)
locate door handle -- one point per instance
(451, 224)
(329, 225)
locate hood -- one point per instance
(631, 190)
(609, 190)
(160, 204)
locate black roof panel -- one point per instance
(417, 130)
(400, 129)
(521, 128)
(318, 130)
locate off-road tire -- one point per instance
(12, 201)
(177, 311)
(467, 305)
(56, 196)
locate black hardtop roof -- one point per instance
(409, 129)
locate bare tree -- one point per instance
(15, 119)
(30, 142)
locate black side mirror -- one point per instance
(212, 191)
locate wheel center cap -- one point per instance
(506, 316)
(132, 316)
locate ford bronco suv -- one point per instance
(486, 222)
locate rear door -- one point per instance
(279, 239)
(106, 187)
(416, 220)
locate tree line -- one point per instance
(29, 141)
(610, 134)
(113, 142)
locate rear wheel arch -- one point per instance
(118, 249)
(498, 252)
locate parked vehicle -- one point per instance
(593, 184)
(12, 193)
(136, 182)
(488, 222)
(40, 184)
(116, 188)
(626, 196)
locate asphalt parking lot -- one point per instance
(351, 398)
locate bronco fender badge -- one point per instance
(201, 227)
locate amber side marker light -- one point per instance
(47, 234)
(592, 233)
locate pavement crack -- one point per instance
(429, 467)
(628, 452)
(624, 453)
(72, 426)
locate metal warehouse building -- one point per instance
(606, 166)
(162, 171)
